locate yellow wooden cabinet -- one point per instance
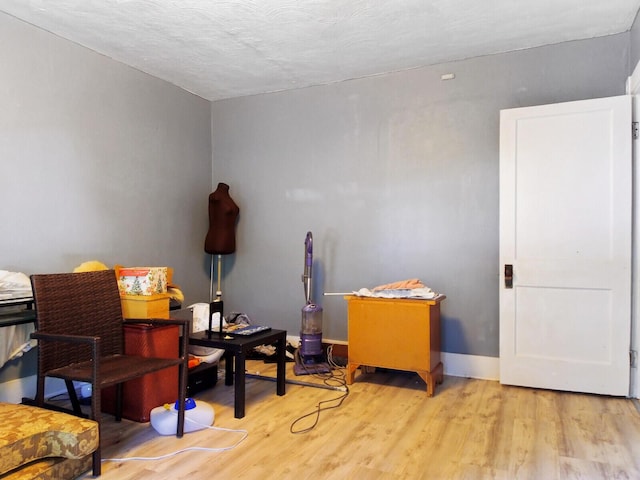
(398, 333)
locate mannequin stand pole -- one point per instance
(211, 283)
(216, 305)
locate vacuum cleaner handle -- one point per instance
(308, 264)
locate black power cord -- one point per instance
(331, 379)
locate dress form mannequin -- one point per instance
(220, 240)
(223, 213)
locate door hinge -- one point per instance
(635, 130)
(633, 358)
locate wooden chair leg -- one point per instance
(73, 397)
(96, 415)
(118, 412)
(97, 462)
(39, 400)
(182, 380)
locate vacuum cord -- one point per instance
(331, 380)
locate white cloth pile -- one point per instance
(412, 288)
(15, 339)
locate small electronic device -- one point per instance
(249, 330)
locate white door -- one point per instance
(565, 230)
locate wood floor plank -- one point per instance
(387, 428)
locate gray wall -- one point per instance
(99, 162)
(634, 42)
(396, 176)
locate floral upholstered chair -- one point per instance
(36, 443)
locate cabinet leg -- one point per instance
(438, 372)
(431, 378)
(351, 372)
(428, 379)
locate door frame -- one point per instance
(633, 88)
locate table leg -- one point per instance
(281, 346)
(240, 385)
(228, 368)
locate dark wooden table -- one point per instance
(235, 355)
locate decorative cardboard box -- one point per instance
(142, 280)
(145, 306)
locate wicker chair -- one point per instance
(81, 337)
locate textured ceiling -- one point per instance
(220, 49)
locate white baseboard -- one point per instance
(471, 366)
(455, 364)
(14, 391)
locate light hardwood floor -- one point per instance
(387, 428)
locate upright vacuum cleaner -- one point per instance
(309, 357)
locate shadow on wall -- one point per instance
(317, 282)
(23, 366)
(453, 339)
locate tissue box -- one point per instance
(145, 306)
(142, 280)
